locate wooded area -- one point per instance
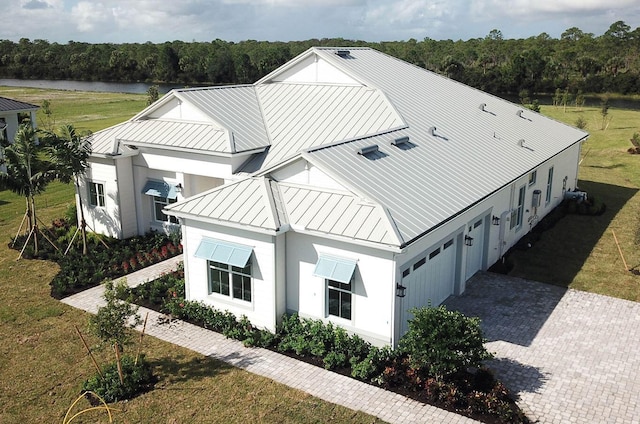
(577, 61)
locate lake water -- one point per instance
(142, 87)
(109, 87)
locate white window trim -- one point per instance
(166, 202)
(549, 193)
(338, 318)
(228, 298)
(90, 185)
(520, 206)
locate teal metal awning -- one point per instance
(337, 269)
(223, 251)
(160, 189)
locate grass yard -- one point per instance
(580, 252)
(43, 362)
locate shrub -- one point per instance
(138, 378)
(440, 342)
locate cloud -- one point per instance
(89, 16)
(36, 4)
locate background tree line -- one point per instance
(577, 61)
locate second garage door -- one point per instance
(429, 280)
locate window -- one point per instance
(532, 177)
(549, 185)
(520, 208)
(158, 204)
(3, 129)
(229, 280)
(96, 194)
(340, 298)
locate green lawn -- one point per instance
(43, 362)
(580, 252)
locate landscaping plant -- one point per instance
(113, 325)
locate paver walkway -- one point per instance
(316, 381)
(571, 356)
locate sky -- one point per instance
(139, 21)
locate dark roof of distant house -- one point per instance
(7, 105)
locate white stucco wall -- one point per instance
(263, 310)
(373, 291)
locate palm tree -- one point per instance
(69, 152)
(27, 173)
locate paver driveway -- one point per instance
(570, 356)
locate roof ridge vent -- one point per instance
(343, 53)
(368, 149)
(400, 141)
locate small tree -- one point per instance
(114, 322)
(566, 99)
(440, 342)
(152, 95)
(580, 100)
(604, 112)
(557, 97)
(27, 173)
(69, 152)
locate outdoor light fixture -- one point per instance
(179, 187)
(400, 290)
(495, 220)
(468, 241)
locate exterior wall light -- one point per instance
(400, 290)
(468, 241)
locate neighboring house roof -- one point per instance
(461, 145)
(10, 105)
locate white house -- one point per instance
(347, 185)
(11, 112)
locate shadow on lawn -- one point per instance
(561, 251)
(176, 369)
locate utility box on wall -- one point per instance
(536, 198)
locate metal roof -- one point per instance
(471, 154)
(263, 203)
(246, 202)
(10, 105)
(301, 116)
(235, 107)
(457, 153)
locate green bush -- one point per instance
(138, 378)
(440, 342)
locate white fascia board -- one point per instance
(188, 150)
(115, 156)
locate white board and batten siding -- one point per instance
(263, 310)
(103, 220)
(372, 291)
